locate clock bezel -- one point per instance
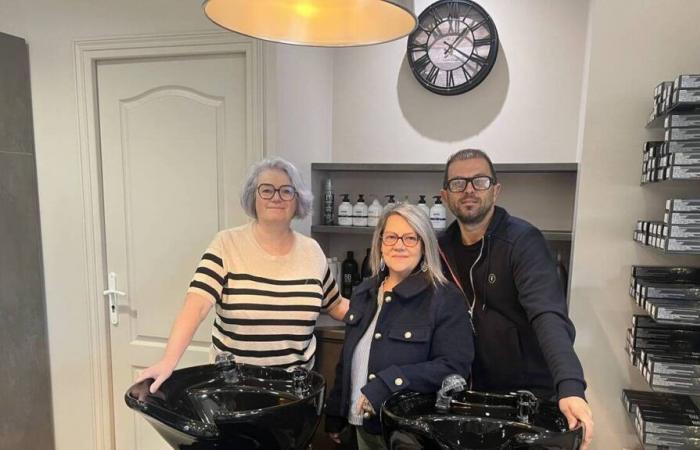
(480, 75)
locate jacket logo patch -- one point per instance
(492, 278)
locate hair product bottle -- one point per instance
(373, 213)
(350, 274)
(345, 212)
(328, 202)
(366, 270)
(438, 214)
(390, 203)
(423, 205)
(359, 212)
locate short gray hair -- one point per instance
(250, 186)
(420, 223)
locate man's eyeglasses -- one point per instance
(409, 240)
(286, 192)
(480, 183)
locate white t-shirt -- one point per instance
(266, 305)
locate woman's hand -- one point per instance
(363, 406)
(159, 372)
(335, 437)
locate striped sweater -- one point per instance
(266, 305)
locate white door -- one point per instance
(173, 148)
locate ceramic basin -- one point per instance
(239, 407)
(474, 420)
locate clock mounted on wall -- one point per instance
(454, 46)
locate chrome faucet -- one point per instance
(300, 381)
(450, 386)
(227, 364)
(528, 405)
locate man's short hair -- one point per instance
(468, 153)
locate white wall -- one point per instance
(526, 110)
(301, 117)
(632, 48)
(50, 29)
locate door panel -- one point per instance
(172, 133)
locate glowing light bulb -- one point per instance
(306, 9)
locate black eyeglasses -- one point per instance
(459, 184)
(409, 240)
(286, 192)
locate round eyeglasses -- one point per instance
(459, 184)
(409, 240)
(286, 192)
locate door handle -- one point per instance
(113, 295)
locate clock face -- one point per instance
(453, 48)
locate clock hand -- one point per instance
(451, 47)
(457, 40)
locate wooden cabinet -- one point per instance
(329, 345)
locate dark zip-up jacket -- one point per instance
(524, 338)
(422, 335)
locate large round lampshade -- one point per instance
(324, 23)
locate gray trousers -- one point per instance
(368, 441)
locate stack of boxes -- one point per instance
(677, 157)
(663, 420)
(664, 342)
(678, 233)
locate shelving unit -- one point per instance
(662, 342)
(543, 194)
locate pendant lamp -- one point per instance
(322, 23)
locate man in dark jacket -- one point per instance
(524, 338)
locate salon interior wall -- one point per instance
(526, 110)
(633, 46)
(301, 77)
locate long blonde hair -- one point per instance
(420, 223)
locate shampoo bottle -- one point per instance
(345, 212)
(438, 214)
(359, 212)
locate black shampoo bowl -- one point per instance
(233, 406)
(473, 420)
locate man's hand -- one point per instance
(576, 411)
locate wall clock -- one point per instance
(454, 46)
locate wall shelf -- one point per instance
(439, 168)
(550, 235)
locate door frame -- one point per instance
(87, 53)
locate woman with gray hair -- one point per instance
(268, 282)
(407, 328)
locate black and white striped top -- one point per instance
(266, 306)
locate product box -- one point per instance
(682, 218)
(681, 231)
(683, 205)
(670, 311)
(681, 146)
(681, 173)
(631, 398)
(670, 291)
(686, 97)
(683, 159)
(687, 82)
(682, 121)
(668, 423)
(674, 366)
(682, 134)
(670, 274)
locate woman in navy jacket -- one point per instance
(407, 328)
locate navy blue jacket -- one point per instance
(524, 338)
(425, 336)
